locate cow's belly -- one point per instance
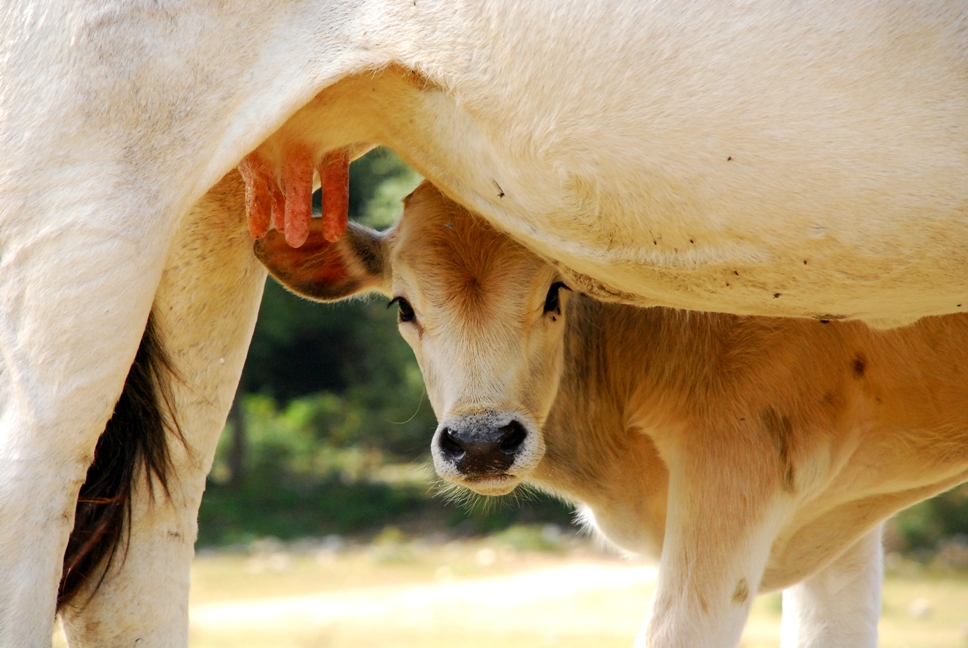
(794, 278)
(726, 243)
(756, 158)
(741, 160)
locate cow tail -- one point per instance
(134, 445)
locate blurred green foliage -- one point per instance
(342, 367)
(925, 526)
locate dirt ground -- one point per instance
(489, 593)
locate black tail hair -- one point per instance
(135, 442)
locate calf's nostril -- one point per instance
(512, 436)
(449, 445)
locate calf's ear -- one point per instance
(326, 271)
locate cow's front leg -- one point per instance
(841, 604)
(728, 496)
(206, 306)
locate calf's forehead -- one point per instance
(454, 258)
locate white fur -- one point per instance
(654, 148)
(206, 306)
(840, 604)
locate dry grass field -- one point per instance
(512, 591)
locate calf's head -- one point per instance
(484, 316)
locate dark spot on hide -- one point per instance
(827, 318)
(776, 295)
(833, 400)
(419, 81)
(859, 365)
(781, 433)
(742, 592)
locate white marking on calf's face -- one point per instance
(491, 355)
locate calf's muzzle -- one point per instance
(479, 451)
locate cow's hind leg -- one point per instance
(206, 307)
(75, 290)
(839, 605)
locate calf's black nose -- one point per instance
(482, 450)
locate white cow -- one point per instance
(769, 157)
(748, 453)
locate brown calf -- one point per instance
(749, 453)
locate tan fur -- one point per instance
(749, 452)
(842, 418)
(836, 441)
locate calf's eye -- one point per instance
(552, 302)
(405, 313)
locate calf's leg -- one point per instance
(839, 605)
(726, 504)
(206, 306)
